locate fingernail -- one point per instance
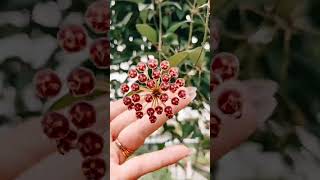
(192, 92)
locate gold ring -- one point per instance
(125, 151)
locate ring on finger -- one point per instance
(125, 151)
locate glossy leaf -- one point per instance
(178, 58)
(147, 31)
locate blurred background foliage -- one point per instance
(278, 40)
(174, 30)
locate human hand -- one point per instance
(131, 134)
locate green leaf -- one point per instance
(169, 3)
(125, 20)
(165, 21)
(176, 59)
(197, 55)
(147, 31)
(144, 15)
(68, 99)
(174, 27)
(187, 129)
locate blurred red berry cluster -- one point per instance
(74, 130)
(227, 97)
(73, 38)
(150, 91)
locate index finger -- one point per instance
(116, 108)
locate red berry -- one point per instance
(156, 73)
(151, 84)
(214, 125)
(142, 78)
(90, 144)
(173, 87)
(182, 94)
(180, 82)
(124, 88)
(165, 65)
(133, 73)
(159, 110)
(83, 115)
(175, 101)
(152, 119)
(174, 72)
(55, 125)
(138, 107)
(150, 111)
(127, 101)
(100, 53)
(168, 110)
(141, 67)
(135, 98)
(81, 82)
(226, 65)
(148, 98)
(135, 87)
(152, 63)
(47, 83)
(230, 102)
(67, 143)
(169, 116)
(139, 114)
(164, 86)
(97, 17)
(164, 97)
(94, 168)
(72, 38)
(130, 106)
(165, 78)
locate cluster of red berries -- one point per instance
(154, 81)
(74, 38)
(80, 81)
(227, 100)
(81, 116)
(72, 131)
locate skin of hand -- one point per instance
(132, 133)
(30, 155)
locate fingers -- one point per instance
(140, 165)
(134, 135)
(122, 121)
(116, 108)
(26, 144)
(56, 167)
(232, 134)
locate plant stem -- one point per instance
(204, 39)
(191, 24)
(160, 30)
(206, 26)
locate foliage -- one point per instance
(175, 30)
(282, 37)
